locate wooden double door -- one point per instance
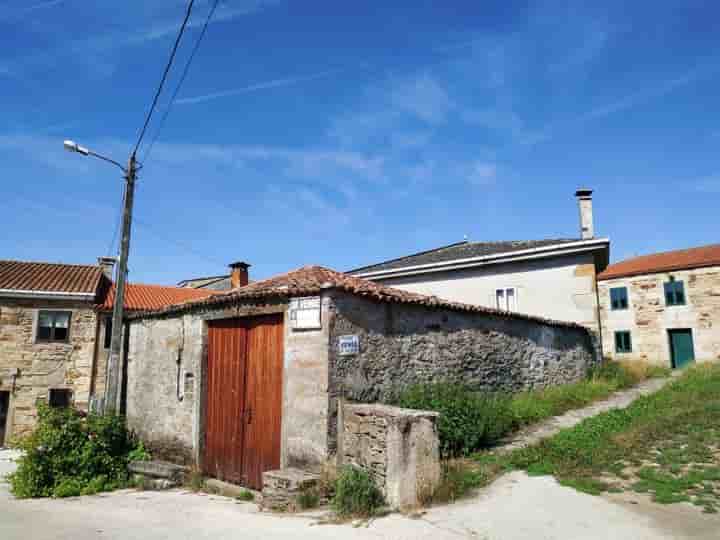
(243, 408)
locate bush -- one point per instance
(468, 420)
(308, 499)
(70, 454)
(356, 494)
(471, 420)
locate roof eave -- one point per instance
(553, 250)
(46, 295)
(665, 270)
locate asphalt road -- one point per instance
(514, 507)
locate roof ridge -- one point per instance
(78, 265)
(410, 255)
(668, 252)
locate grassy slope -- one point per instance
(667, 444)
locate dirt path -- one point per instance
(537, 432)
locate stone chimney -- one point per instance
(239, 274)
(107, 264)
(584, 197)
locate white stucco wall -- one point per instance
(561, 288)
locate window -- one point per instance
(60, 398)
(618, 298)
(506, 299)
(53, 326)
(674, 293)
(108, 332)
(623, 342)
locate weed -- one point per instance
(245, 496)
(307, 499)
(356, 495)
(195, 480)
(470, 420)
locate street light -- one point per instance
(72, 146)
(113, 373)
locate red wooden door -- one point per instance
(263, 398)
(244, 398)
(224, 409)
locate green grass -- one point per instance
(471, 420)
(665, 444)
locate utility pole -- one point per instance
(112, 384)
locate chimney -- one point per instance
(584, 197)
(107, 264)
(238, 274)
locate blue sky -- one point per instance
(342, 133)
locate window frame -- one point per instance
(670, 290)
(504, 291)
(107, 335)
(54, 313)
(65, 391)
(620, 299)
(619, 346)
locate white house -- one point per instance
(551, 278)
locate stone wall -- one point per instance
(648, 318)
(164, 364)
(29, 369)
(160, 347)
(399, 448)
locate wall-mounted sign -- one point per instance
(305, 313)
(348, 345)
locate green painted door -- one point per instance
(681, 347)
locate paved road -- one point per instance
(514, 507)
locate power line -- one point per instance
(151, 229)
(164, 77)
(117, 227)
(181, 81)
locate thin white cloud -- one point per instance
(423, 97)
(482, 173)
(266, 85)
(94, 45)
(20, 13)
(631, 101)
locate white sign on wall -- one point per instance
(305, 313)
(348, 345)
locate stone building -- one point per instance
(663, 308)
(553, 278)
(55, 335)
(248, 381)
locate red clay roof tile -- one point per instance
(683, 259)
(150, 297)
(49, 277)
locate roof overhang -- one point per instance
(46, 295)
(555, 250)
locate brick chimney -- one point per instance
(107, 264)
(239, 274)
(584, 197)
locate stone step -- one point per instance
(282, 487)
(157, 474)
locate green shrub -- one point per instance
(69, 453)
(246, 496)
(308, 499)
(356, 494)
(468, 420)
